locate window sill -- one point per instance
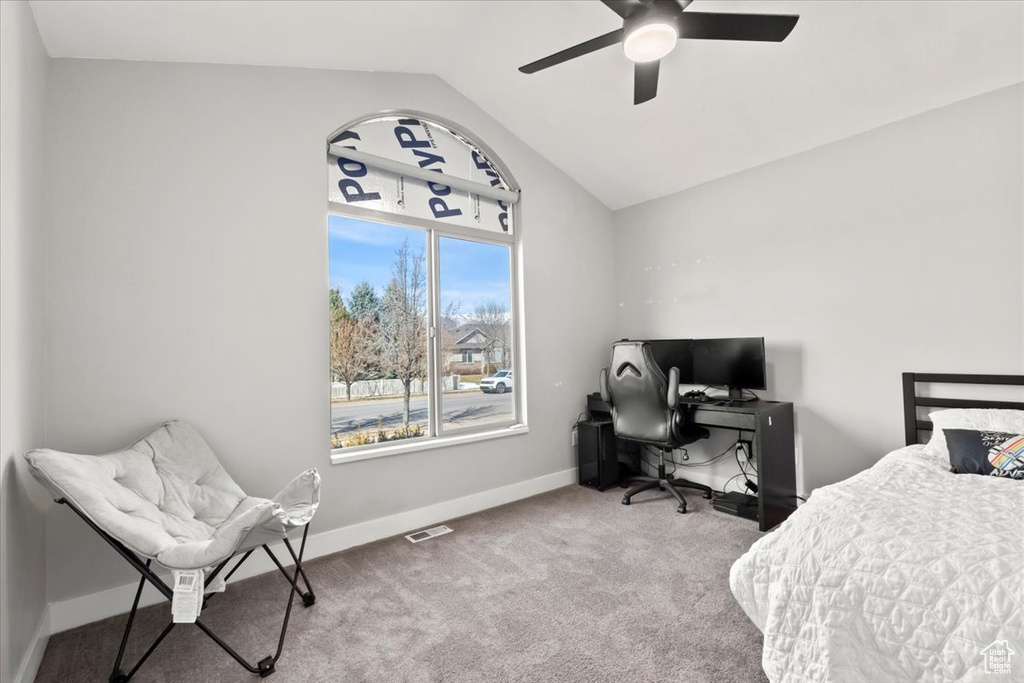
(340, 456)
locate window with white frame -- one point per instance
(423, 247)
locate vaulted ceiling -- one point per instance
(722, 107)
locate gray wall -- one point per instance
(895, 250)
(187, 278)
(23, 74)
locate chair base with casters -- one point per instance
(663, 483)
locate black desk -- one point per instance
(774, 449)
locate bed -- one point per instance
(903, 572)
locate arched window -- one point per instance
(423, 240)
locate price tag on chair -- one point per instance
(188, 595)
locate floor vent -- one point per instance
(429, 533)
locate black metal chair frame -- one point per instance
(265, 666)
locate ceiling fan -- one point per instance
(650, 29)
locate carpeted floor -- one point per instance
(569, 586)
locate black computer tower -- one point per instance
(597, 455)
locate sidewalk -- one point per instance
(465, 388)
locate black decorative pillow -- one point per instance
(996, 453)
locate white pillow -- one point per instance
(979, 419)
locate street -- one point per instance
(460, 409)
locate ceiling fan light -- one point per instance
(650, 42)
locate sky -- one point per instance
(471, 273)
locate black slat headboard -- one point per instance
(911, 401)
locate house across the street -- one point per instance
(473, 349)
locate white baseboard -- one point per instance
(26, 673)
(67, 614)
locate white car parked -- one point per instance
(498, 383)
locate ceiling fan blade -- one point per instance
(622, 7)
(669, 5)
(565, 55)
(763, 27)
(645, 81)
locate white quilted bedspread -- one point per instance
(904, 572)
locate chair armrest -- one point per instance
(684, 430)
(605, 394)
(673, 387)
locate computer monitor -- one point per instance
(674, 353)
(736, 363)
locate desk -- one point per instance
(774, 449)
(773, 443)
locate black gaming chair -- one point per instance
(643, 404)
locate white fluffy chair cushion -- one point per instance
(168, 498)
